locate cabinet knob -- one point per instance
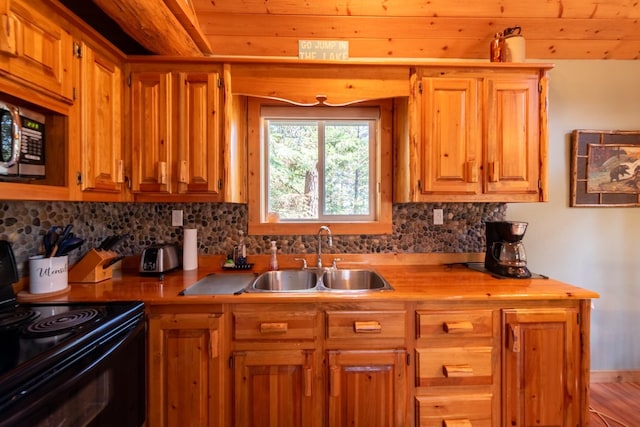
(457, 423)
(119, 178)
(472, 171)
(457, 371)
(274, 328)
(494, 171)
(162, 172)
(457, 327)
(183, 173)
(367, 327)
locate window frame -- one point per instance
(382, 223)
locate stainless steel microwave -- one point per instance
(22, 154)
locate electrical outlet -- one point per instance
(438, 217)
(176, 218)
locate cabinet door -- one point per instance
(35, 48)
(451, 151)
(151, 132)
(367, 388)
(102, 167)
(540, 364)
(200, 158)
(512, 134)
(277, 388)
(184, 370)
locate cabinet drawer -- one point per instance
(469, 410)
(275, 326)
(454, 366)
(366, 324)
(442, 324)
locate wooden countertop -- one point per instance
(412, 282)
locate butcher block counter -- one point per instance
(449, 346)
(450, 281)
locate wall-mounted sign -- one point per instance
(327, 50)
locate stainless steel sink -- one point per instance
(313, 280)
(284, 281)
(354, 280)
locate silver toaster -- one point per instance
(159, 259)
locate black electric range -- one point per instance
(49, 350)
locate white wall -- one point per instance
(594, 248)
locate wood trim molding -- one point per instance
(615, 376)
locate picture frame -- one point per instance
(605, 168)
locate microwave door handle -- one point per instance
(16, 135)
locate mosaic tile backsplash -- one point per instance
(221, 226)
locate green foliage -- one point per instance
(295, 153)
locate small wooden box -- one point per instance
(90, 268)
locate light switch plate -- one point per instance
(176, 218)
(438, 217)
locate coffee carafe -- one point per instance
(505, 254)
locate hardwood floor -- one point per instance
(618, 403)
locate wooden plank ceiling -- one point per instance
(554, 29)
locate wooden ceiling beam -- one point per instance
(183, 10)
(152, 24)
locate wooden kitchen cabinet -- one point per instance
(277, 368)
(367, 388)
(35, 49)
(541, 363)
(476, 135)
(186, 386)
(151, 132)
(367, 366)
(457, 370)
(101, 158)
(277, 388)
(184, 147)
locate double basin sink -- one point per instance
(311, 280)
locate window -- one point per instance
(317, 165)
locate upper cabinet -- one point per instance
(35, 50)
(476, 134)
(101, 162)
(182, 144)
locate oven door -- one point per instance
(105, 387)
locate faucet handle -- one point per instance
(334, 263)
(304, 262)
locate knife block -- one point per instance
(90, 268)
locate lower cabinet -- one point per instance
(367, 388)
(370, 364)
(184, 378)
(276, 388)
(541, 362)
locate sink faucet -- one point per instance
(328, 231)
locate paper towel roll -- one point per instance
(190, 250)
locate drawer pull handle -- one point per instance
(273, 328)
(307, 382)
(334, 381)
(515, 338)
(457, 327)
(457, 371)
(367, 327)
(457, 423)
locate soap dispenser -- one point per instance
(273, 262)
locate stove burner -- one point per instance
(63, 322)
(13, 318)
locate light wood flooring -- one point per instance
(619, 404)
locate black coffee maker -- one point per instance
(505, 255)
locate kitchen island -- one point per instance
(448, 346)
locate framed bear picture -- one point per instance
(605, 168)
